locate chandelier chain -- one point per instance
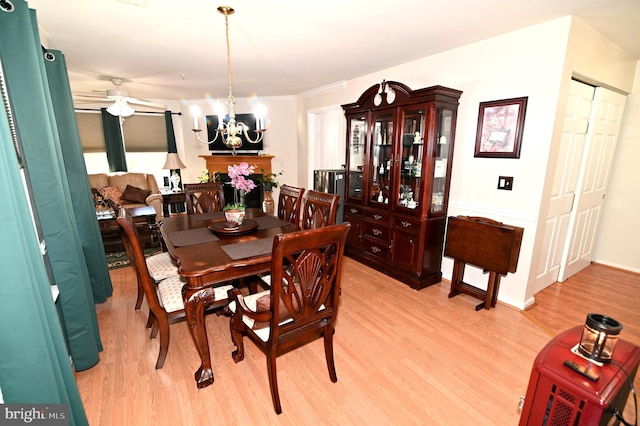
(229, 76)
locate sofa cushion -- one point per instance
(135, 195)
(98, 180)
(113, 193)
(121, 180)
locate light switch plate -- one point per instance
(505, 182)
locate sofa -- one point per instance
(129, 189)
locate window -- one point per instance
(145, 140)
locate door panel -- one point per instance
(600, 147)
(565, 181)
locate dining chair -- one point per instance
(289, 206)
(319, 209)
(160, 265)
(290, 203)
(164, 297)
(204, 197)
(300, 306)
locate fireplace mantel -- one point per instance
(220, 163)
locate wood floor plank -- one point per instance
(402, 357)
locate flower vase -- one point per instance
(268, 205)
(236, 216)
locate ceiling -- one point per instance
(176, 50)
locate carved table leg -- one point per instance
(195, 302)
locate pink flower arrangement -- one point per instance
(237, 174)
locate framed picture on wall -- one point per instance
(500, 124)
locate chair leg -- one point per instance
(150, 320)
(140, 297)
(154, 326)
(237, 337)
(328, 352)
(164, 342)
(273, 382)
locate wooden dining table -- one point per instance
(208, 255)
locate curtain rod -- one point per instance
(137, 112)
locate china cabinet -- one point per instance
(399, 152)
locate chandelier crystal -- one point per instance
(230, 129)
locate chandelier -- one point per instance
(230, 129)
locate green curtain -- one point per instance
(27, 84)
(171, 136)
(113, 142)
(83, 207)
(34, 361)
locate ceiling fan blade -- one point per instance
(91, 95)
(143, 102)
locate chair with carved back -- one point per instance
(290, 203)
(300, 306)
(160, 265)
(164, 297)
(204, 197)
(319, 209)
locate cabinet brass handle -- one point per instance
(405, 224)
(354, 210)
(375, 249)
(377, 232)
(377, 217)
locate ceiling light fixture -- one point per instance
(230, 129)
(120, 108)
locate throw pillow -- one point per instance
(99, 201)
(263, 304)
(135, 195)
(113, 193)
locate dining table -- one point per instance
(209, 253)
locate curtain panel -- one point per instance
(113, 142)
(34, 359)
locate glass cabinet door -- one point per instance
(411, 159)
(382, 157)
(442, 153)
(357, 138)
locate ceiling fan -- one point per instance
(119, 99)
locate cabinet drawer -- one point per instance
(353, 210)
(379, 216)
(406, 225)
(377, 248)
(377, 230)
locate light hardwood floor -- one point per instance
(402, 356)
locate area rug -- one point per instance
(119, 259)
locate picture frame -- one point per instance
(500, 126)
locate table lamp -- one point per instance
(175, 164)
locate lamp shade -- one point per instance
(173, 162)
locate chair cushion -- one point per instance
(263, 304)
(262, 330)
(111, 192)
(135, 195)
(170, 293)
(161, 266)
